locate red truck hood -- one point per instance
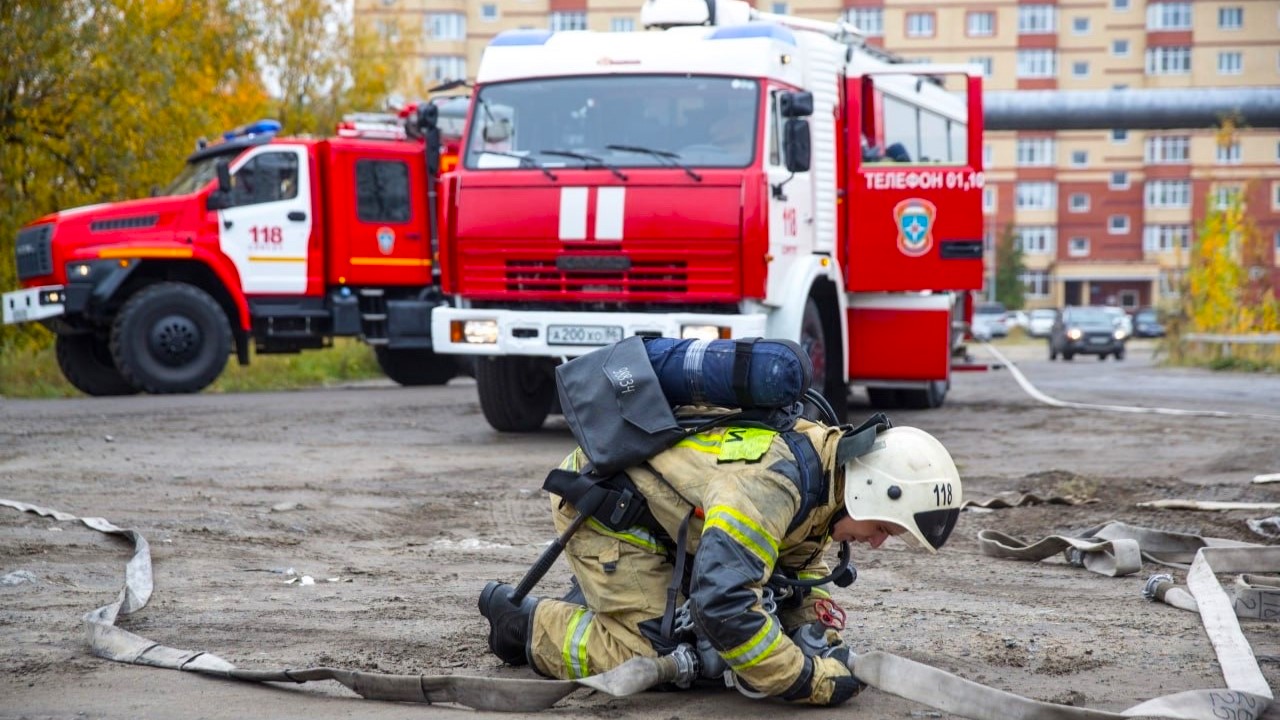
(646, 240)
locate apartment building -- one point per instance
(1103, 217)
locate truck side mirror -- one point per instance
(796, 144)
(497, 130)
(220, 198)
(428, 116)
(796, 104)
(224, 178)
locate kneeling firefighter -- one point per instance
(712, 548)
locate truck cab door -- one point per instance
(791, 206)
(266, 229)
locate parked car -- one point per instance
(990, 320)
(1016, 318)
(1040, 322)
(1146, 323)
(1122, 320)
(1087, 330)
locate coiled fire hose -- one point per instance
(1111, 549)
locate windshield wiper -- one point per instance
(662, 155)
(525, 161)
(585, 159)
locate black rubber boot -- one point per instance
(508, 622)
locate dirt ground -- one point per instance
(411, 502)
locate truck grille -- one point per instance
(34, 251)
(541, 276)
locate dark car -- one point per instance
(1146, 323)
(1085, 331)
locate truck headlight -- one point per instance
(474, 332)
(703, 332)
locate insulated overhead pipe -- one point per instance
(1177, 109)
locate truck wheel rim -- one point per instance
(175, 340)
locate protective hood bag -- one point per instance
(615, 406)
(748, 374)
(618, 399)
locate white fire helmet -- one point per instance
(909, 479)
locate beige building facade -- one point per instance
(1103, 217)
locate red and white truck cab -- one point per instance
(279, 242)
(736, 174)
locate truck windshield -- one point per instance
(195, 175)
(694, 120)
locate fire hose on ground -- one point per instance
(1113, 549)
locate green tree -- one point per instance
(1009, 269)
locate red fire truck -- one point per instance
(279, 242)
(737, 174)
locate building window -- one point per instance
(1078, 247)
(1119, 180)
(488, 12)
(1118, 224)
(1275, 196)
(920, 24)
(988, 155)
(1172, 60)
(870, 20)
(1119, 4)
(1080, 26)
(622, 24)
(446, 26)
(780, 8)
(1035, 151)
(980, 24)
(570, 20)
(1276, 240)
(1171, 282)
(988, 199)
(1120, 48)
(441, 68)
(1037, 19)
(1229, 154)
(986, 63)
(1035, 284)
(1119, 136)
(1169, 16)
(1224, 196)
(1079, 158)
(1037, 63)
(1230, 63)
(1080, 68)
(1078, 202)
(1164, 238)
(1038, 239)
(1168, 194)
(388, 30)
(1230, 18)
(1168, 150)
(1036, 195)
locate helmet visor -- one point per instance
(935, 526)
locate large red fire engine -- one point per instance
(279, 242)
(736, 174)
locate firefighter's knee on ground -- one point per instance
(831, 682)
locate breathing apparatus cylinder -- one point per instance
(750, 373)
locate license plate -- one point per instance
(583, 334)
(1098, 340)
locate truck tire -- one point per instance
(416, 367)
(827, 376)
(171, 338)
(86, 363)
(516, 393)
(883, 398)
(928, 398)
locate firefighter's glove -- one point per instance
(830, 682)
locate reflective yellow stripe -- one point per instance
(574, 651)
(745, 443)
(570, 462)
(745, 531)
(634, 535)
(760, 646)
(395, 262)
(277, 258)
(817, 591)
(707, 442)
(145, 252)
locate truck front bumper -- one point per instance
(458, 331)
(36, 303)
